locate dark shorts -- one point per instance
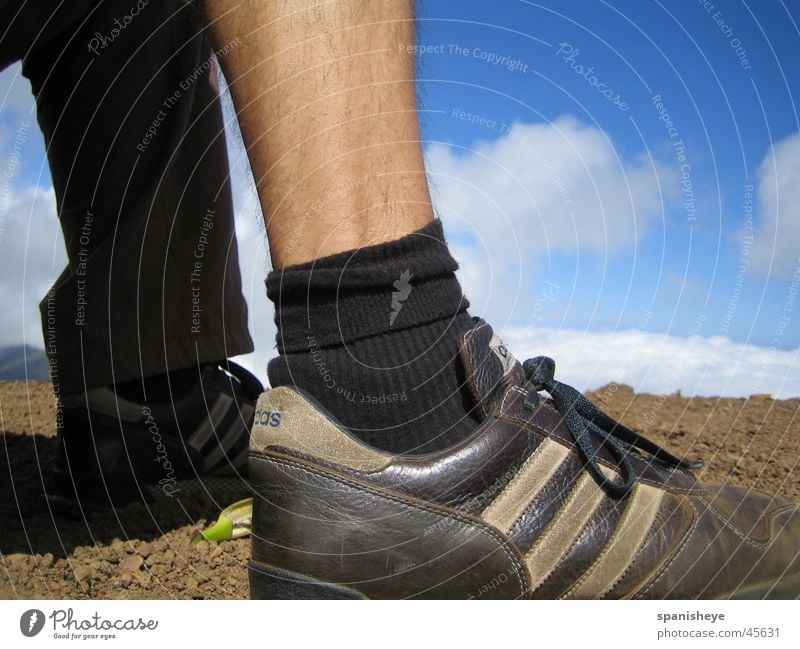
(127, 101)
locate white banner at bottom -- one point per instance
(379, 625)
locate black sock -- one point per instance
(372, 334)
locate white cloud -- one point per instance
(31, 245)
(254, 265)
(31, 258)
(557, 186)
(775, 246)
(660, 363)
(540, 188)
(15, 91)
(251, 238)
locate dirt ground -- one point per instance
(146, 552)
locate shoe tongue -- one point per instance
(487, 363)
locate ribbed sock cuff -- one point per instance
(378, 289)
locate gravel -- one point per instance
(146, 552)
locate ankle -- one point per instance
(373, 334)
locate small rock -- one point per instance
(46, 560)
(17, 560)
(83, 573)
(125, 581)
(130, 565)
(145, 550)
(143, 578)
(79, 552)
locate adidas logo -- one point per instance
(268, 418)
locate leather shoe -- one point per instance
(549, 498)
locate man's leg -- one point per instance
(327, 108)
(151, 299)
(133, 130)
(368, 307)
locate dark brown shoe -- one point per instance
(549, 498)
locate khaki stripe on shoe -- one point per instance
(560, 535)
(631, 533)
(511, 503)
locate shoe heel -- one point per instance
(268, 582)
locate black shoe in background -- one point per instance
(115, 450)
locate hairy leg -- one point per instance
(326, 102)
(368, 308)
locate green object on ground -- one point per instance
(233, 523)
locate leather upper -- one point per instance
(514, 499)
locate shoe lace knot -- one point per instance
(586, 423)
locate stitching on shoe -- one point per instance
(471, 333)
(789, 507)
(719, 516)
(552, 570)
(606, 549)
(517, 477)
(659, 574)
(670, 488)
(410, 505)
(563, 557)
(651, 534)
(471, 368)
(519, 391)
(375, 493)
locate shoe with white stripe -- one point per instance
(549, 498)
(113, 451)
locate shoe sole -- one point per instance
(269, 582)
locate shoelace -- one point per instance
(585, 421)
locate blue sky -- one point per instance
(585, 223)
(685, 262)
